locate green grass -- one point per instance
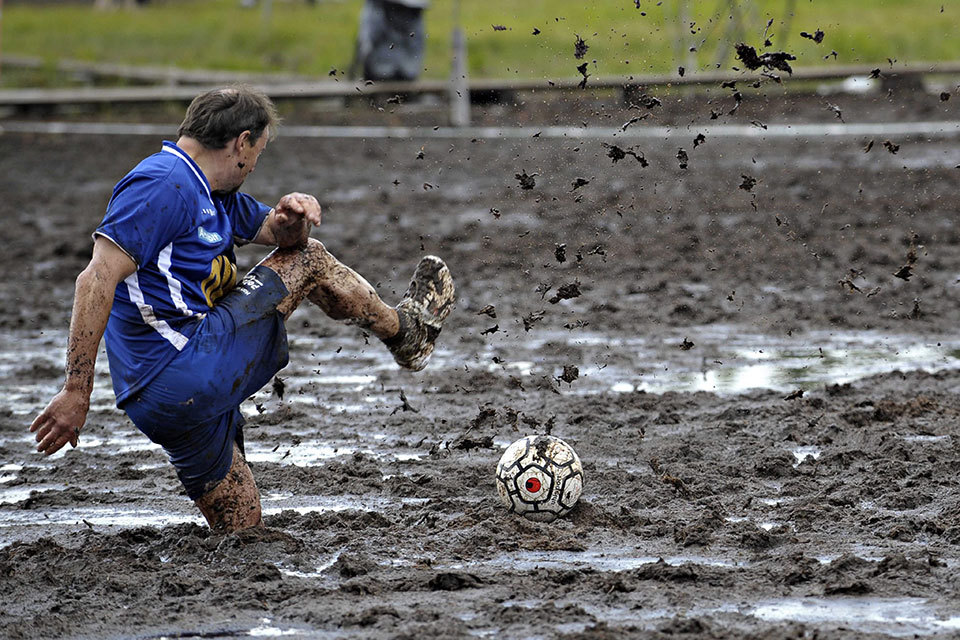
(305, 39)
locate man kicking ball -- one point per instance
(186, 342)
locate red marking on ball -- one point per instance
(532, 485)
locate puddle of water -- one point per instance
(775, 502)
(309, 453)
(267, 630)
(725, 360)
(118, 443)
(613, 560)
(306, 454)
(114, 444)
(942, 438)
(316, 573)
(892, 616)
(359, 382)
(803, 452)
(13, 495)
(766, 526)
(114, 516)
(321, 504)
(97, 516)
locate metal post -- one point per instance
(459, 88)
(267, 11)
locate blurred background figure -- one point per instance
(390, 40)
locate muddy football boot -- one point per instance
(426, 304)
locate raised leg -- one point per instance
(234, 504)
(409, 330)
(313, 272)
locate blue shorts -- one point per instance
(192, 408)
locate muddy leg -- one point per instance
(233, 504)
(313, 272)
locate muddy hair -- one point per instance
(218, 116)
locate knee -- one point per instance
(318, 259)
(315, 248)
(315, 252)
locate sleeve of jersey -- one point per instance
(247, 215)
(143, 216)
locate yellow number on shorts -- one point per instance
(223, 275)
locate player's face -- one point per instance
(255, 152)
(247, 159)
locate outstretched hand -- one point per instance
(294, 206)
(293, 216)
(61, 421)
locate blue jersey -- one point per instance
(181, 237)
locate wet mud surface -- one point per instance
(686, 330)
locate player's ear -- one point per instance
(244, 140)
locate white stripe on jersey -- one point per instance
(192, 168)
(177, 339)
(176, 293)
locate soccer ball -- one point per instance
(540, 477)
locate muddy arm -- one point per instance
(62, 419)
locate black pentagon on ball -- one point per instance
(563, 490)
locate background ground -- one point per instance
(710, 510)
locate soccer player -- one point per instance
(186, 342)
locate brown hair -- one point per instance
(217, 116)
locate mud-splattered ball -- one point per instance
(540, 477)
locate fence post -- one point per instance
(459, 88)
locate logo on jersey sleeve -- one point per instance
(222, 278)
(210, 237)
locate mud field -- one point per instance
(755, 357)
